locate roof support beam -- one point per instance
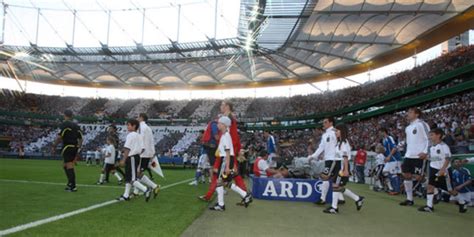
(326, 53)
(346, 42)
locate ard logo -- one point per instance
(317, 186)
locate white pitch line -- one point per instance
(60, 184)
(68, 214)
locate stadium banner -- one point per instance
(300, 190)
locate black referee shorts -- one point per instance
(69, 153)
(131, 166)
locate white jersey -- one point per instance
(110, 149)
(417, 139)
(380, 159)
(225, 143)
(327, 145)
(148, 142)
(342, 150)
(97, 155)
(133, 142)
(262, 167)
(438, 155)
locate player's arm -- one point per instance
(318, 151)
(461, 186)
(424, 133)
(227, 161)
(345, 170)
(125, 151)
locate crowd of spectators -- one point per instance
(245, 107)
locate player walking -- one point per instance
(71, 137)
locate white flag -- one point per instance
(155, 166)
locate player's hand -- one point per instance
(442, 172)
(227, 171)
(345, 173)
(387, 159)
(423, 156)
(214, 170)
(454, 192)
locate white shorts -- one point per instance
(203, 162)
(392, 167)
(270, 160)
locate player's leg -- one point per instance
(408, 169)
(102, 175)
(215, 164)
(128, 181)
(135, 180)
(69, 153)
(336, 191)
(145, 180)
(220, 205)
(197, 176)
(325, 176)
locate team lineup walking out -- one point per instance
(427, 162)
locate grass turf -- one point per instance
(177, 210)
(20, 203)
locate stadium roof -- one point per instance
(276, 43)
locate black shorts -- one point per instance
(108, 167)
(414, 166)
(332, 168)
(69, 153)
(378, 171)
(221, 169)
(442, 182)
(144, 163)
(131, 166)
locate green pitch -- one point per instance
(177, 211)
(169, 215)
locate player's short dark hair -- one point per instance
(330, 119)
(144, 117)
(262, 153)
(417, 111)
(230, 104)
(68, 113)
(384, 130)
(437, 131)
(134, 122)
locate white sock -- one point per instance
(139, 186)
(429, 200)
(118, 176)
(220, 195)
(341, 197)
(101, 179)
(238, 190)
(436, 191)
(335, 199)
(350, 194)
(389, 184)
(135, 190)
(324, 190)
(128, 186)
(147, 181)
(409, 189)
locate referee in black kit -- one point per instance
(71, 137)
